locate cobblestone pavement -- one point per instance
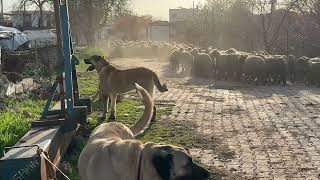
(271, 132)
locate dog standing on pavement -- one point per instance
(113, 81)
(113, 153)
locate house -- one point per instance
(178, 19)
(158, 31)
(28, 20)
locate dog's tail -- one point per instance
(143, 123)
(156, 81)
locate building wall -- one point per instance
(176, 15)
(158, 33)
(178, 19)
(178, 31)
(17, 21)
(31, 20)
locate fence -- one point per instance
(15, 61)
(48, 56)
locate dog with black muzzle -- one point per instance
(112, 152)
(113, 81)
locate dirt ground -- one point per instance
(250, 132)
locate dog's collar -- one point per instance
(139, 172)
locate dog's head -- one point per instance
(96, 62)
(174, 163)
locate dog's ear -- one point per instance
(107, 61)
(98, 58)
(162, 162)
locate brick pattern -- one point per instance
(274, 131)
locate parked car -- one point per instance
(11, 39)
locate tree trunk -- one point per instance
(40, 21)
(91, 26)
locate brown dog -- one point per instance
(113, 81)
(113, 153)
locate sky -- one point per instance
(160, 8)
(157, 8)
(7, 5)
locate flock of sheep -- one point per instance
(144, 49)
(257, 67)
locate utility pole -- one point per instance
(24, 15)
(193, 9)
(273, 5)
(1, 18)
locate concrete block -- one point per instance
(27, 83)
(19, 88)
(11, 90)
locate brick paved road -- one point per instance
(269, 132)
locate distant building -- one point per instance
(103, 36)
(158, 31)
(182, 14)
(178, 19)
(26, 20)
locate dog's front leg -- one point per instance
(105, 100)
(113, 107)
(96, 95)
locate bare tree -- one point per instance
(283, 26)
(88, 16)
(40, 4)
(131, 25)
(271, 20)
(310, 8)
(310, 26)
(223, 24)
(208, 22)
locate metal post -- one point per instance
(0, 61)
(60, 63)
(65, 26)
(287, 37)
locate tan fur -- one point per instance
(113, 153)
(113, 81)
